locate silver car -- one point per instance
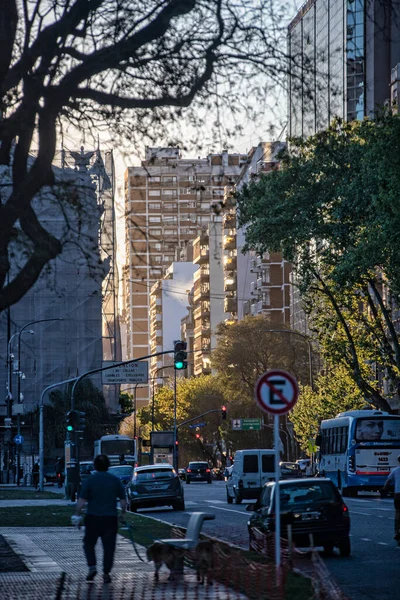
(155, 485)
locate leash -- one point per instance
(128, 527)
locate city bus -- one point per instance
(358, 449)
(114, 445)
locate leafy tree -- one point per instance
(126, 402)
(335, 392)
(88, 399)
(332, 209)
(137, 69)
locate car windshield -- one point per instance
(289, 466)
(198, 465)
(121, 471)
(293, 495)
(153, 474)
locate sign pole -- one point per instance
(277, 501)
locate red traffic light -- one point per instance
(223, 412)
(197, 436)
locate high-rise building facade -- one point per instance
(168, 202)
(342, 53)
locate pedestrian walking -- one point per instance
(35, 475)
(394, 480)
(100, 492)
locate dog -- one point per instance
(205, 561)
(160, 554)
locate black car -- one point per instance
(198, 471)
(312, 505)
(155, 485)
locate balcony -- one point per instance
(201, 255)
(201, 311)
(202, 274)
(263, 305)
(263, 283)
(229, 242)
(230, 305)
(230, 284)
(230, 263)
(229, 221)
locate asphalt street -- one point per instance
(370, 573)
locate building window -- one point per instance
(154, 192)
(154, 206)
(169, 193)
(155, 219)
(154, 232)
(154, 179)
(169, 179)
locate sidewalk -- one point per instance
(49, 552)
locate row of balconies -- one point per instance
(202, 274)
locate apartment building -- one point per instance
(168, 203)
(208, 292)
(254, 284)
(168, 300)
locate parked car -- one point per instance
(123, 472)
(217, 474)
(182, 474)
(290, 470)
(251, 469)
(155, 485)
(310, 505)
(198, 471)
(49, 474)
(86, 467)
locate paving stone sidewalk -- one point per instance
(52, 551)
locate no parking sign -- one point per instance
(276, 392)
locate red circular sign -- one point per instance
(276, 392)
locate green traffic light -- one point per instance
(70, 428)
(179, 365)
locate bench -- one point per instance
(192, 532)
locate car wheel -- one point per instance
(352, 492)
(345, 547)
(328, 548)
(209, 481)
(238, 498)
(187, 481)
(229, 499)
(251, 546)
(179, 505)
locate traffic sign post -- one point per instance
(19, 439)
(276, 392)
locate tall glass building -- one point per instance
(341, 53)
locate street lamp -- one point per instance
(307, 339)
(19, 333)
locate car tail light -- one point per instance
(345, 510)
(207, 470)
(188, 470)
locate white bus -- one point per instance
(358, 449)
(114, 445)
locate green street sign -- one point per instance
(251, 424)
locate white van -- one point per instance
(251, 469)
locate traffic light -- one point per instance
(180, 355)
(71, 420)
(223, 413)
(197, 436)
(81, 420)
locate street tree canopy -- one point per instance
(333, 210)
(129, 67)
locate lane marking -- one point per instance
(355, 512)
(365, 539)
(383, 544)
(231, 510)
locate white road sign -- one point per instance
(276, 392)
(136, 372)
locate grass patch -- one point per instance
(37, 516)
(16, 494)
(298, 587)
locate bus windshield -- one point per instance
(376, 429)
(118, 447)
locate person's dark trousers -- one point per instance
(397, 516)
(100, 527)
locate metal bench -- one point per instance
(192, 533)
(187, 543)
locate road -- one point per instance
(371, 573)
